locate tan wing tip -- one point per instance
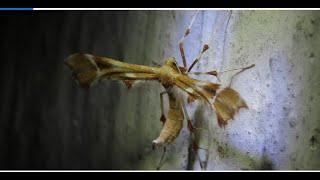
(221, 122)
(227, 104)
(223, 113)
(83, 69)
(244, 105)
(69, 61)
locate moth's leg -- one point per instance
(190, 126)
(163, 120)
(241, 70)
(195, 146)
(212, 73)
(195, 149)
(163, 117)
(181, 45)
(215, 73)
(192, 130)
(206, 45)
(160, 162)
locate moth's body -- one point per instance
(88, 69)
(168, 73)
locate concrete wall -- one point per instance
(282, 91)
(49, 122)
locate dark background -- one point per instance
(47, 121)
(44, 114)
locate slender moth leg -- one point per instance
(181, 45)
(215, 73)
(206, 45)
(163, 120)
(160, 162)
(163, 117)
(241, 70)
(192, 129)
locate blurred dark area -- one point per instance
(43, 111)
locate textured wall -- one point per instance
(49, 122)
(281, 128)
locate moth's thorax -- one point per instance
(168, 72)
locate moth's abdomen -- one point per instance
(172, 126)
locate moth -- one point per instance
(89, 69)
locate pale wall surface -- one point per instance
(281, 128)
(48, 122)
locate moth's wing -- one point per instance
(225, 101)
(197, 89)
(88, 69)
(84, 69)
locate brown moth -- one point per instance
(88, 69)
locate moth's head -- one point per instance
(171, 62)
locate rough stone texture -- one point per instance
(49, 122)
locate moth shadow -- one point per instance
(214, 146)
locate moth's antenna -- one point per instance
(156, 63)
(219, 26)
(206, 45)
